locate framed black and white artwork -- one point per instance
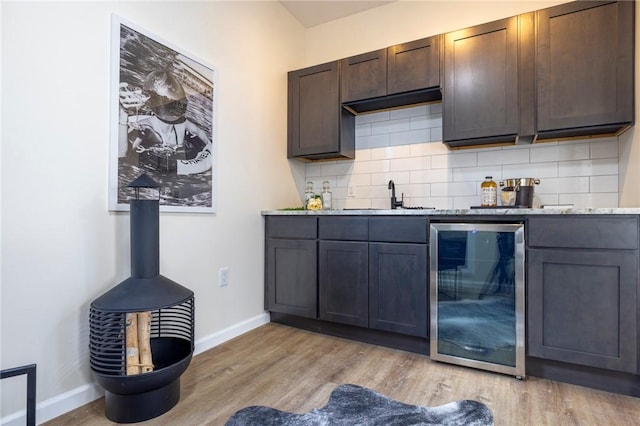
(163, 121)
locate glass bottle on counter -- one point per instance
(488, 192)
(326, 196)
(308, 194)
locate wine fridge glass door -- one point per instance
(477, 295)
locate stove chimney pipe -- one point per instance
(145, 230)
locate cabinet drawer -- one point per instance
(291, 227)
(608, 232)
(343, 228)
(398, 229)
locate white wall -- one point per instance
(404, 21)
(61, 247)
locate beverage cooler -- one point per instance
(477, 295)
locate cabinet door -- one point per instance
(480, 98)
(343, 282)
(585, 63)
(413, 66)
(291, 277)
(318, 127)
(582, 307)
(398, 288)
(364, 76)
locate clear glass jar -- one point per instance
(308, 194)
(488, 192)
(326, 196)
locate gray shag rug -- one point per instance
(351, 405)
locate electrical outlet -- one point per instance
(351, 191)
(223, 277)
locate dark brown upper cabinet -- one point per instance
(364, 76)
(414, 65)
(488, 93)
(585, 68)
(400, 75)
(318, 127)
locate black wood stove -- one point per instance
(137, 397)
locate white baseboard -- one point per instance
(229, 333)
(57, 406)
(68, 401)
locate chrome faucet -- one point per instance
(395, 203)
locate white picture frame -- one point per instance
(163, 121)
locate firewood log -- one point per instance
(133, 357)
(144, 342)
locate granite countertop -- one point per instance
(453, 212)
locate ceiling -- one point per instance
(315, 12)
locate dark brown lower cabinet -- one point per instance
(291, 277)
(381, 286)
(398, 288)
(372, 273)
(343, 282)
(583, 307)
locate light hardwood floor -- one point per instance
(296, 370)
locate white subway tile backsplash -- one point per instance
(410, 163)
(573, 151)
(420, 122)
(400, 178)
(564, 184)
(337, 168)
(426, 122)
(313, 170)
(409, 137)
(364, 154)
(418, 111)
(405, 145)
(431, 148)
(372, 141)
(436, 108)
(372, 117)
(604, 166)
(383, 191)
(506, 156)
(363, 130)
(436, 134)
(454, 189)
(465, 202)
(357, 180)
(544, 152)
(371, 166)
(604, 183)
(432, 175)
(540, 200)
(390, 152)
(415, 190)
(539, 170)
(437, 202)
(590, 200)
(604, 148)
(364, 192)
(477, 174)
(391, 126)
(454, 159)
